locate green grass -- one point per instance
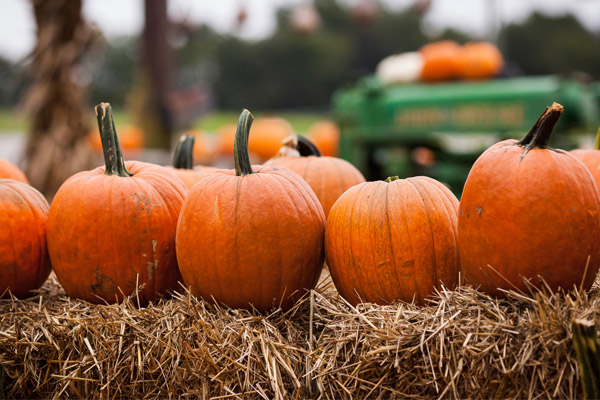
(300, 122)
(11, 122)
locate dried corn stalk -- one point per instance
(56, 99)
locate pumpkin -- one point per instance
(479, 60)
(529, 211)
(393, 240)
(183, 162)
(24, 260)
(9, 170)
(226, 137)
(113, 228)
(252, 236)
(400, 68)
(326, 136)
(267, 135)
(204, 147)
(591, 158)
(440, 60)
(328, 177)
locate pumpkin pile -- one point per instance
(255, 238)
(443, 60)
(529, 214)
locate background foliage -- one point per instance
(291, 71)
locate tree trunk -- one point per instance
(56, 98)
(150, 97)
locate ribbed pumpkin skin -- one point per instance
(105, 230)
(538, 215)
(24, 261)
(189, 177)
(10, 171)
(253, 239)
(393, 241)
(328, 177)
(591, 159)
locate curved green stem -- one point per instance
(391, 179)
(597, 141)
(307, 148)
(539, 135)
(183, 157)
(113, 158)
(241, 158)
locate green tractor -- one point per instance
(439, 129)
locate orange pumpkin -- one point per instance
(9, 170)
(479, 60)
(252, 236)
(226, 137)
(183, 162)
(204, 147)
(328, 177)
(326, 136)
(591, 158)
(267, 135)
(529, 211)
(440, 60)
(393, 240)
(24, 260)
(113, 228)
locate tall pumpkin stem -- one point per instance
(539, 135)
(241, 158)
(307, 148)
(597, 141)
(113, 158)
(183, 158)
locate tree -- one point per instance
(151, 108)
(551, 45)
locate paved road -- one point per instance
(12, 146)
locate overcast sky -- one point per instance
(125, 17)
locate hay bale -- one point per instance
(463, 344)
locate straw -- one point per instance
(462, 344)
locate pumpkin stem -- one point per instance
(391, 179)
(241, 158)
(539, 135)
(183, 157)
(597, 141)
(113, 158)
(307, 148)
